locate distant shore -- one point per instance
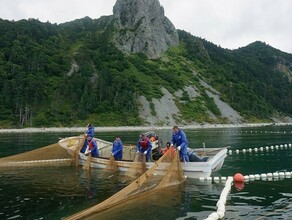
(135, 128)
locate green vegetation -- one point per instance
(249, 78)
(39, 85)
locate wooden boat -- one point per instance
(216, 157)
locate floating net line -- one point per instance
(162, 174)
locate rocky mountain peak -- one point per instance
(143, 27)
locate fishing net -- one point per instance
(111, 165)
(87, 163)
(174, 174)
(138, 166)
(75, 156)
(52, 155)
(162, 174)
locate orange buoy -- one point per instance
(238, 177)
(238, 181)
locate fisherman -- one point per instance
(179, 139)
(167, 148)
(144, 146)
(117, 150)
(89, 133)
(90, 130)
(92, 147)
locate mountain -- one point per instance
(135, 68)
(142, 27)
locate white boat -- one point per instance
(216, 157)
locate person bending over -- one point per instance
(92, 147)
(144, 146)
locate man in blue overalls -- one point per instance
(117, 150)
(179, 139)
(89, 133)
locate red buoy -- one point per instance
(238, 178)
(238, 181)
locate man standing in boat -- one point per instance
(144, 146)
(89, 133)
(92, 147)
(117, 150)
(179, 139)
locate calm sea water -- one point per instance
(54, 193)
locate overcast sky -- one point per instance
(228, 23)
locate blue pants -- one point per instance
(83, 149)
(184, 157)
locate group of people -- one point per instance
(144, 145)
(90, 145)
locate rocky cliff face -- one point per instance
(143, 27)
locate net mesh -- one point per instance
(138, 166)
(87, 163)
(162, 174)
(111, 165)
(46, 156)
(75, 156)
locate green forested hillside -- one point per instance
(255, 80)
(69, 74)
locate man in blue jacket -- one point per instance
(179, 139)
(89, 133)
(144, 146)
(117, 150)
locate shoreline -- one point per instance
(135, 128)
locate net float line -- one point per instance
(261, 149)
(36, 163)
(261, 132)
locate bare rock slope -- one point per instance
(143, 27)
(166, 113)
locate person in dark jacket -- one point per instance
(89, 133)
(117, 150)
(179, 139)
(144, 146)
